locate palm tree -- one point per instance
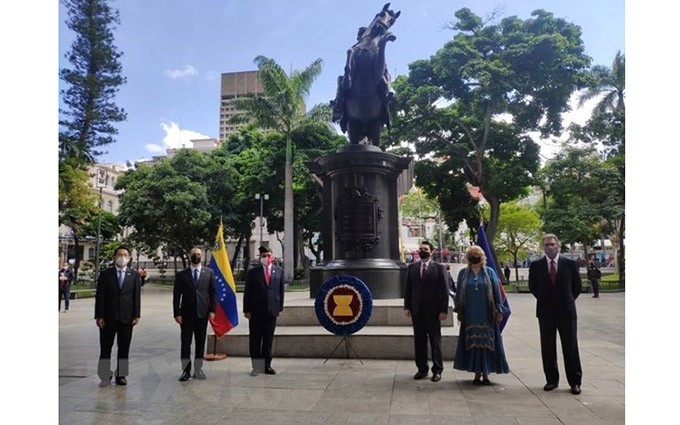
(282, 108)
(611, 83)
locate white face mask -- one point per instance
(122, 261)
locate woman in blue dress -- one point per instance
(479, 308)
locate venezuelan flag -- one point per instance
(484, 244)
(226, 313)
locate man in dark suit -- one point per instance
(262, 303)
(194, 298)
(555, 281)
(426, 302)
(116, 311)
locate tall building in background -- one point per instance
(233, 85)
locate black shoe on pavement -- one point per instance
(420, 375)
(269, 371)
(549, 387)
(436, 377)
(576, 389)
(120, 380)
(185, 376)
(200, 375)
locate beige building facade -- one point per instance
(234, 85)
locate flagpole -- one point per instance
(215, 356)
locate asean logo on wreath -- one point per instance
(343, 304)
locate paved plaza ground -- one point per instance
(311, 391)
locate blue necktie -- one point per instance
(121, 279)
(196, 277)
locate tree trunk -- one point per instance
(288, 223)
(621, 260)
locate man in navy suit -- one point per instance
(116, 311)
(555, 281)
(426, 302)
(194, 298)
(262, 303)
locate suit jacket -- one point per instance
(430, 295)
(559, 301)
(113, 303)
(188, 300)
(259, 298)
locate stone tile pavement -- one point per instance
(340, 391)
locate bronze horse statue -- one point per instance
(364, 91)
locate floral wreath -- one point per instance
(343, 304)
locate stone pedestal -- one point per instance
(361, 227)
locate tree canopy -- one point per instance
(468, 108)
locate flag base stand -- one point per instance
(215, 356)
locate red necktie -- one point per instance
(553, 273)
(267, 274)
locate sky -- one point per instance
(175, 51)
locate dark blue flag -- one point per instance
(484, 244)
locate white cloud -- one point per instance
(551, 146)
(187, 72)
(175, 137)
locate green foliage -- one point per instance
(519, 231)
(92, 82)
(584, 193)
(449, 107)
(167, 203)
(282, 109)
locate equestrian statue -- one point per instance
(364, 92)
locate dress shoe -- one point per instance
(254, 372)
(420, 375)
(185, 376)
(105, 382)
(549, 387)
(269, 371)
(486, 381)
(436, 377)
(576, 389)
(120, 380)
(199, 375)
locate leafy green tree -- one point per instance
(610, 84)
(525, 70)
(582, 196)
(282, 108)
(250, 154)
(167, 203)
(92, 83)
(77, 202)
(519, 228)
(606, 129)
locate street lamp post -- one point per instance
(100, 183)
(262, 197)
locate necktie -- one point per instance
(553, 273)
(267, 274)
(121, 279)
(196, 277)
(423, 272)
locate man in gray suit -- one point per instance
(194, 298)
(116, 311)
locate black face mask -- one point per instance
(475, 260)
(424, 254)
(195, 259)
